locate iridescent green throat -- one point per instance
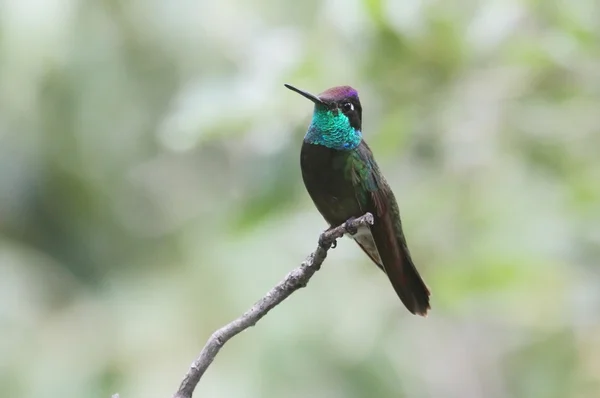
(331, 128)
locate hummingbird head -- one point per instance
(337, 118)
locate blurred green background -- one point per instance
(150, 192)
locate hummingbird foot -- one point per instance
(326, 242)
(350, 229)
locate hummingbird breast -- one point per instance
(324, 172)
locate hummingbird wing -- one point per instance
(375, 196)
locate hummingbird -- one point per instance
(344, 182)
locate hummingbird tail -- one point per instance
(399, 267)
(403, 275)
(409, 285)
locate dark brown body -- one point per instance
(347, 184)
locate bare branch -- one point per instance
(295, 280)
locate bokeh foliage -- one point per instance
(150, 192)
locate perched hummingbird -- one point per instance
(344, 182)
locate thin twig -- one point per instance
(295, 280)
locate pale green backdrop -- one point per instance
(150, 192)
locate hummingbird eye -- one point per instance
(348, 107)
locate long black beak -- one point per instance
(311, 97)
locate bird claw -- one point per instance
(351, 229)
(327, 243)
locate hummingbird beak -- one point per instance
(311, 97)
